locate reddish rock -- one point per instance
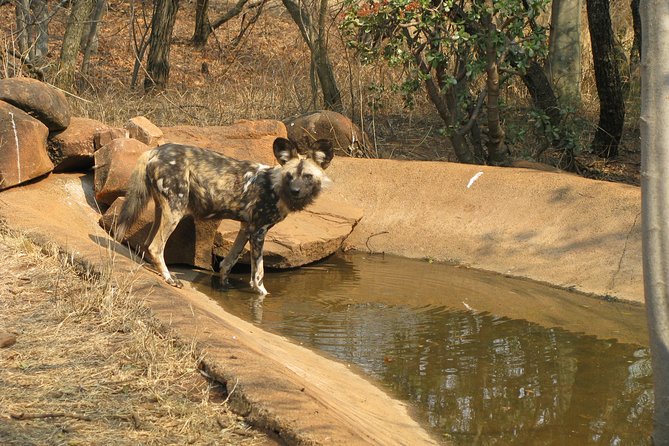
(7, 340)
(246, 140)
(141, 129)
(325, 124)
(38, 99)
(302, 238)
(190, 244)
(72, 149)
(23, 147)
(107, 135)
(114, 163)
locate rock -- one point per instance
(302, 238)
(23, 147)
(114, 163)
(7, 340)
(325, 124)
(190, 244)
(38, 99)
(246, 140)
(72, 149)
(107, 135)
(141, 129)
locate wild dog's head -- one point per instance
(300, 178)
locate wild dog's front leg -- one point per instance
(257, 239)
(233, 255)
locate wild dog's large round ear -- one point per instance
(322, 152)
(284, 150)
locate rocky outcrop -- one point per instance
(114, 164)
(23, 150)
(245, 140)
(72, 149)
(347, 137)
(38, 99)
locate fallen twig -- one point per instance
(373, 235)
(32, 416)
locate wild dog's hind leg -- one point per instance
(257, 239)
(233, 255)
(168, 221)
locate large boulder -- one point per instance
(37, 99)
(346, 137)
(190, 243)
(114, 163)
(302, 238)
(23, 147)
(246, 140)
(72, 149)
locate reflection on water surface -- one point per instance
(483, 359)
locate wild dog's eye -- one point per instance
(308, 176)
(288, 175)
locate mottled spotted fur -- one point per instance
(185, 180)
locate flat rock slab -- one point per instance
(302, 238)
(244, 140)
(557, 228)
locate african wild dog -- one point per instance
(187, 180)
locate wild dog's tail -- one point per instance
(136, 198)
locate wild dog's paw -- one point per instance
(174, 282)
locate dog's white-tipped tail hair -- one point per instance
(136, 198)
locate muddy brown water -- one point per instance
(481, 358)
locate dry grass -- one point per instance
(90, 365)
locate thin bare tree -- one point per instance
(655, 200)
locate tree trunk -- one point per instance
(81, 10)
(609, 85)
(542, 93)
(315, 38)
(497, 151)
(41, 17)
(158, 60)
(635, 51)
(655, 200)
(565, 49)
(202, 26)
(22, 13)
(90, 40)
